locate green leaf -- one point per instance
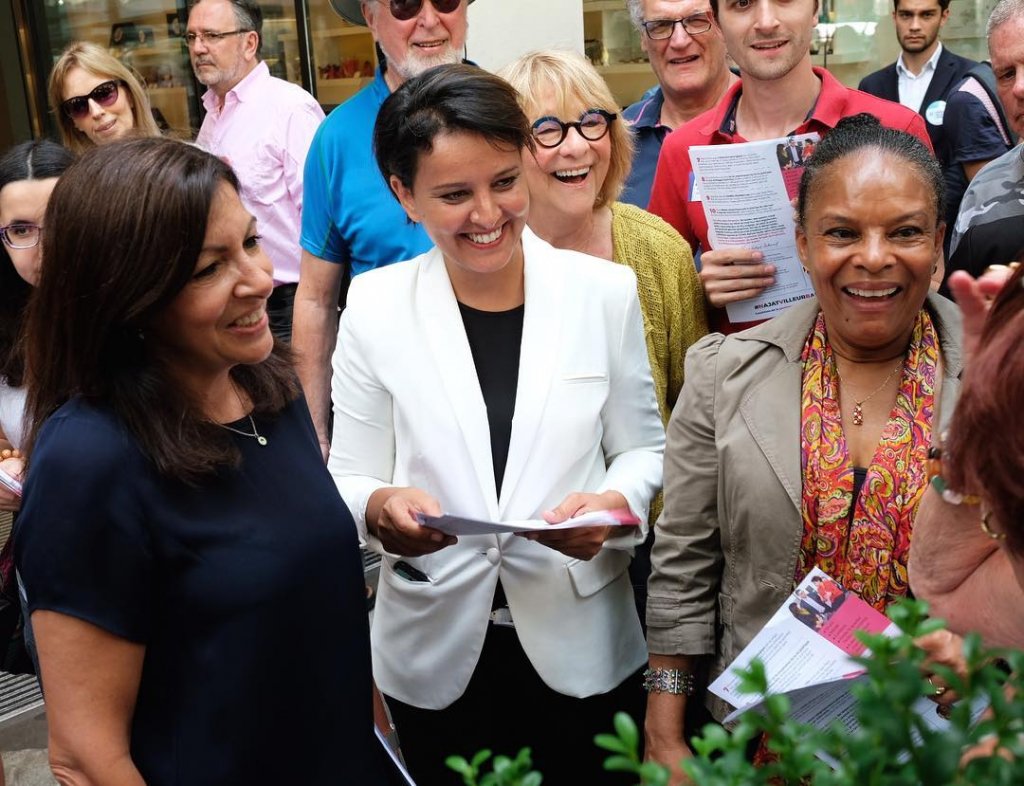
(654, 774)
(480, 758)
(461, 766)
(532, 779)
(626, 728)
(502, 765)
(611, 743)
(620, 764)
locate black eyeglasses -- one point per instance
(211, 38)
(20, 235)
(103, 94)
(407, 9)
(660, 29)
(592, 125)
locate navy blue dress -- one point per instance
(247, 592)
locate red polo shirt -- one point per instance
(673, 180)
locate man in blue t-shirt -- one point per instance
(350, 221)
(687, 55)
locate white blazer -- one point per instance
(408, 411)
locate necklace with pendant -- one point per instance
(858, 406)
(255, 434)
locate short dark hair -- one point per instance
(943, 5)
(112, 268)
(865, 132)
(447, 98)
(37, 160)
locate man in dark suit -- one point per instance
(924, 78)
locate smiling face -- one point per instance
(102, 124)
(24, 201)
(767, 38)
(219, 320)
(1006, 48)
(566, 179)
(686, 65)
(870, 241)
(220, 65)
(416, 45)
(918, 23)
(472, 201)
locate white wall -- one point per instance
(502, 30)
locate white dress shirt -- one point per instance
(914, 86)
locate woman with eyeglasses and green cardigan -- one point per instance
(97, 99)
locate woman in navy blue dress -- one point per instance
(192, 574)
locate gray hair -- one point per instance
(1005, 11)
(636, 12)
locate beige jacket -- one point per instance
(726, 545)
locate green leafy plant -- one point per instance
(505, 771)
(893, 746)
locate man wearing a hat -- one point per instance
(350, 221)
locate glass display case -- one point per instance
(146, 36)
(853, 38)
(612, 44)
(343, 55)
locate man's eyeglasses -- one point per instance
(20, 235)
(592, 125)
(210, 38)
(660, 29)
(403, 10)
(103, 94)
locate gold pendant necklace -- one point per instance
(858, 406)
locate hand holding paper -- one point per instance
(457, 525)
(582, 542)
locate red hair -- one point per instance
(986, 439)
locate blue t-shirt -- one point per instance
(644, 118)
(349, 214)
(246, 590)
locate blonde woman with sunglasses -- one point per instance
(97, 99)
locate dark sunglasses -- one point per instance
(592, 125)
(407, 9)
(103, 94)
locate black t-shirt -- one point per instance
(247, 592)
(495, 338)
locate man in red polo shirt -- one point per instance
(779, 94)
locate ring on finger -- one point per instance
(940, 690)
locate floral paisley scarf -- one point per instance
(869, 554)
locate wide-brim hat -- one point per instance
(351, 11)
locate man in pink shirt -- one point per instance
(259, 124)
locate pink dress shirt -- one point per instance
(264, 131)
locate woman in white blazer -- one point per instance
(494, 377)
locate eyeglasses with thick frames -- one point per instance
(660, 29)
(20, 234)
(210, 38)
(103, 94)
(592, 125)
(403, 10)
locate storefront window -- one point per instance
(148, 37)
(852, 39)
(343, 55)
